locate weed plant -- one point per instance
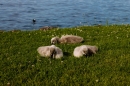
(21, 65)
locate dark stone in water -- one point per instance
(34, 21)
(15, 30)
(1, 31)
(47, 28)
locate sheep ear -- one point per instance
(56, 40)
(53, 52)
(83, 52)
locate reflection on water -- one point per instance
(18, 14)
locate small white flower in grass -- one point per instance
(18, 52)
(8, 84)
(62, 61)
(29, 61)
(38, 60)
(97, 80)
(81, 30)
(8, 58)
(108, 35)
(33, 65)
(20, 65)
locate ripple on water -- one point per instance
(62, 13)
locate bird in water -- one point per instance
(34, 21)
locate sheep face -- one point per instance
(55, 40)
(85, 51)
(52, 52)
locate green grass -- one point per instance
(21, 65)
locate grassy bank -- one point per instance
(20, 63)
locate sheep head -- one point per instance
(55, 40)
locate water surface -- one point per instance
(18, 14)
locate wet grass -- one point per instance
(20, 64)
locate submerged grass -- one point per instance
(21, 64)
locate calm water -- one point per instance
(18, 14)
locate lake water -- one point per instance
(18, 14)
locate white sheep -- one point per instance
(85, 50)
(67, 39)
(58, 53)
(50, 51)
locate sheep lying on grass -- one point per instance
(67, 39)
(50, 51)
(85, 50)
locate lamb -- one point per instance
(58, 53)
(85, 50)
(50, 52)
(67, 39)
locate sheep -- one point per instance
(45, 51)
(85, 50)
(50, 52)
(58, 53)
(67, 39)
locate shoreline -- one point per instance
(45, 28)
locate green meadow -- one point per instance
(21, 65)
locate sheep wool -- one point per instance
(45, 51)
(58, 53)
(50, 51)
(67, 39)
(85, 50)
